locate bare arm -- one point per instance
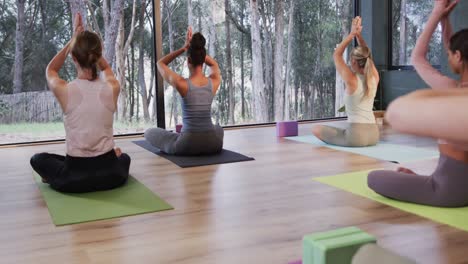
(419, 55)
(361, 41)
(108, 76)
(343, 69)
(432, 113)
(169, 75)
(56, 84)
(215, 75)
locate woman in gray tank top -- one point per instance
(199, 136)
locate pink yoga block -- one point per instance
(296, 262)
(178, 128)
(287, 129)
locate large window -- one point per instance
(32, 32)
(408, 20)
(275, 56)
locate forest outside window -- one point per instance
(32, 32)
(275, 67)
(408, 18)
(275, 56)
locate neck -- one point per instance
(85, 74)
(197, 71)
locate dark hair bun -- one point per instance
(93, 58)
(198, 41)
(197, 51)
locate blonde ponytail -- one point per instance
(363, 57)
(369, 80)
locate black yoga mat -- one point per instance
(225, 156)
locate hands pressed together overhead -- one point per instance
(188, 38)
(445, 7)
(356, 26)
(78, 25)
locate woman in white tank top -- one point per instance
(361, 85)
(88, 103)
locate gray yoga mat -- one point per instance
(383, 151)
(225, 156)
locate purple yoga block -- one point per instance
(178, 128)
(287, 129)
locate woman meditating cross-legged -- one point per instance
(361, 86)
(199, 136)
(448, 185)
(88, 103)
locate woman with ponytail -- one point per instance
(448, 184)
(88, 104)
(361, 85)
(199, 136)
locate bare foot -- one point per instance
(405, 170)
(118, 151)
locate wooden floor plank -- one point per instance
(249, 212)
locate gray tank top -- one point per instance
(196, 108)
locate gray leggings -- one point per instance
(446, 187)
(354, 135)
(186, 143)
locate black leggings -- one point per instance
(79, 175)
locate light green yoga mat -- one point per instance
(382, 151)
(131, 199)
(357, 183)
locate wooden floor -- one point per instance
(250, 212)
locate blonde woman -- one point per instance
(361, 80)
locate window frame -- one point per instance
(390, 66)
(159, 105)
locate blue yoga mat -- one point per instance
(382, 151)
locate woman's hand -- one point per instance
(188, 39)
(356, 26)
(444, 7)
(78, 25)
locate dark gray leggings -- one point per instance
(354, 135)
(446, 187)
(186, 143)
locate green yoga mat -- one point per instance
(381, 151)
(356, 183)
(131, 199)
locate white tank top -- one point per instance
(89, 118)
(359, 108)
